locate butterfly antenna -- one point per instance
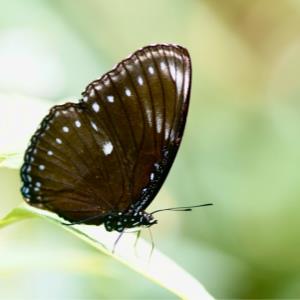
(181, 208)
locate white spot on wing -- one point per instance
(179, 80)
(128, 92)
(41, 167)
(149, 116)
(50, 153)
(107, 148)
(94, 126)
(167, 130)
(163, 66)
(65, 129)
(140, 80)
(96, 107)
(92, 93)
(110, 98)
(159, 123)
(58, 141)
(151, 70)
(77, 123)
(173, 72)
(172, 135)
(38, 184)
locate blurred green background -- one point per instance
(241, 149)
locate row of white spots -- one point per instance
(66, 130)
(151, 71)
(140, 81)
(107, 148)
(37, 186)
(58, 112)
(26, 175)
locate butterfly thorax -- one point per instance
(120, 221)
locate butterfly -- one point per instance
(103, 159)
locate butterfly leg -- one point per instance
(152, 244)
(138, 234)
(116, 241)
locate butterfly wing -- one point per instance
(113, 150)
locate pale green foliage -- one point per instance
(156, 266)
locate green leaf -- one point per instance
(157, 267)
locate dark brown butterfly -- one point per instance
(103, 159)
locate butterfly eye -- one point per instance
(103, 159)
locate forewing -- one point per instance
(144, 102)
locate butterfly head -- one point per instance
(120, 221)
